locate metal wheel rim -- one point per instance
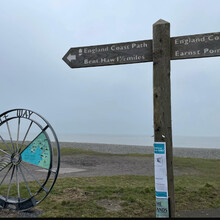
(21, 160)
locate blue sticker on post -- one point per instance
(159, 147)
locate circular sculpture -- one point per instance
(29, 159)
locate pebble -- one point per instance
(206, 153)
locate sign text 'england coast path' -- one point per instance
(182, 47)
(109, 54)
(195, 46)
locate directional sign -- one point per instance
(195, 46)
(110, 54)
(182, 47)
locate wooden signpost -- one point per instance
(183, 47)
(161, 50)
(162, 99)
(109, 54)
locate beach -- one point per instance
(206, 153)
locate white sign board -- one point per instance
(160, 170)
(161, 185)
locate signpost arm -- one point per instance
(162, 99)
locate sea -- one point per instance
(142, 140)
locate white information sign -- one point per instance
(160, 170)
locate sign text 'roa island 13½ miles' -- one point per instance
(109, 54)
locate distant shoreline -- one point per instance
(207, 153)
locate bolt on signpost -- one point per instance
(160, 51)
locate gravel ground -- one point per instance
(97, 165)
(208, 153)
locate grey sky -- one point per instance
(36, 34)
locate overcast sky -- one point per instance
(117, 100)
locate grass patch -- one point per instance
(79, 197)
(72, 151)
(133, 196)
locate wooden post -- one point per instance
(162, 99)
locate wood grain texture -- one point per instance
(162, 98)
